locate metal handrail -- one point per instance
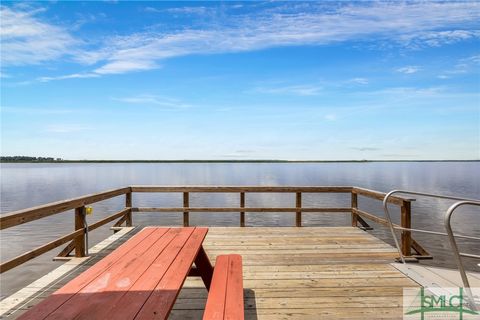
(458, 254)
(448, 227)
(393, 227)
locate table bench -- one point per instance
(225, 297)
(141, 279)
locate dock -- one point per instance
(289, 273)
(298, 272)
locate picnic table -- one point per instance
(142, 278)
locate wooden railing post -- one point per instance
(186, 204)
(80, 225)
(406, 222)
(354, 203)
(298, 205)
(242, 205)
(128, 204)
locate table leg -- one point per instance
(204, 267)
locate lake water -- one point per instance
(27, 185)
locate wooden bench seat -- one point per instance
(225, 297)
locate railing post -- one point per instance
(128, 204)
(242, 205)
(354, 203)
(186, 221)
(80, 225)
(298, 205)
(406, 222)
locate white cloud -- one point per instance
(358, 81)
(150, 99)
(438, 38)
(399, 22)
(410, 24)
(69, 76)
(409, 69)
(298, 90)
(122, 66)
(27, 40)
(463, 66)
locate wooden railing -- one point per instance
(124, 216)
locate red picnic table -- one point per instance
(142, 278)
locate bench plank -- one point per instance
(225, 298)
(234, 300)
(215, 307)
(62, 295)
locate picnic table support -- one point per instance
(203, 268)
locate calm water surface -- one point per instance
(26, 185)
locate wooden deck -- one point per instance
(297, 273)
(305, 273)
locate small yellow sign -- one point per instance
(88, 210)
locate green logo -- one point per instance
(426, 303)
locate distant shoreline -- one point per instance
(227, 161)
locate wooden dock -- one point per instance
(300, 272)
(293, 273)
(306, 273)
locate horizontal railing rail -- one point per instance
(79, 236)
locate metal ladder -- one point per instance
(447, 220)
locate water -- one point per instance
(27, 185)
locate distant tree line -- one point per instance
(28, 159)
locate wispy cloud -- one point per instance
(25, 39)
(69, 76)
(358, 81)
(463, 66)
(149, 99)
(408, 69)
(181, 10)
(411, 24)
(298, 90)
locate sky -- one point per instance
(241, 80)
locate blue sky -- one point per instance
(241, 80)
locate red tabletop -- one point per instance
(141, 279)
